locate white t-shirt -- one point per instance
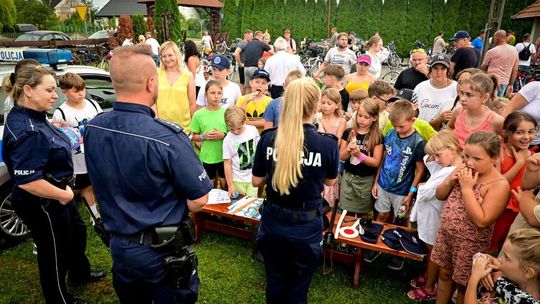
(531, 92)
(206, 41)
(432, 101)
(231, 92)
(240, 149)
(376, 62)
(345, 58)
(76, 118)
(522, 45)
(154, 45)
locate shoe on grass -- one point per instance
(422, 294)
(396, 263)
(370, 256)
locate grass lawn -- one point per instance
(227, 271)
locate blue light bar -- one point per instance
(47, 56)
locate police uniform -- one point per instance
(143, 169)
(290, 233)
(33, 149)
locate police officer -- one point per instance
(38, 158)
(294, 161)
(146, 177)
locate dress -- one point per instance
(173, 103)
(331, 193)
(462, 132)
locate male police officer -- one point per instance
(145, 175)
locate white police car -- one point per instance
(98, 87)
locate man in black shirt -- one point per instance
(409, 78)
(465, 55)
(252, 53)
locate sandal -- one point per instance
(420, 281)
(421, 294)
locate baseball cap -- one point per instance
(440, 58)
(405, 94)
(221, 62)
(364, 58)
(261, 74)
(460, 35)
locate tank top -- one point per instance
(462, 132)
(507, 162)
(353, 86)
(173, 103)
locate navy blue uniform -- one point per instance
(290, 234)
(33, 149)
(143, 170)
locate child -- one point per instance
(517, 279)
(333, 75)
(255, 103)
(474, 115)
(401, 170)
(361, 147)
(221, 68)
(356, 97)
(475, 197)
(444, 156)
(381, 91)
(261, 63)
(331, 122)
(519, 131)
(76, 111)
(273, 111)
(238, 151)
(208, 126)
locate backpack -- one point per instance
(525, 54)
(89, 100)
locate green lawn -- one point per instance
(228, 275)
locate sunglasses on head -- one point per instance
(416, 51)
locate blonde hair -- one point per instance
(373, 40)
(31, 75)
(176, 51)
(497, 104)
(444, 140)
(300, 102)
(334, 96)
(527, 242)
(234, 116)
(293, 75)
(373, 137)
(484, 84)
(401, 109)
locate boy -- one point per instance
(255, 103)
(401, 169)
(421, 126)
(271, 115)
(221, 68)
(238, 151)
(76, 111)
(333, 75)
(381, 91)
(355, 99)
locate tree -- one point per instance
(35, 12)
(125, 29)
(167, 20)
(139, 25)
(230, 21)
(418, 26)
(8, 14)
(452, 22)
(393, 23)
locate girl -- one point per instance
(443, 157)
(475, 197)
(331, 122)
(517, 280)
(361, 148)
(209, 128)
(474, 115)
(519, 131)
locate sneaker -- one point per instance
(34, 249)
(343, 247)
(396, 263)
(370, 256)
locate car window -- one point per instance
(27, 37)
(98, 88)
(60, 37)
(47, 37)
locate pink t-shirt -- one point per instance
(501, 60)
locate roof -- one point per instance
(116, 8)
(531, 11)
(193, 3)
(52, 3)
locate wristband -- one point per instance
(202, 137)
(363, 157)
(413, 189)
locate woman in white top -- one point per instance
(377, 53)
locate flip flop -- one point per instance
(421, 294)
(420, 281)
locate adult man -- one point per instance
(291, 44)
(253, 51)
(409, 78)
(438, 44)
(502, 61)
(144, 198)
(333, 40)
(465, 55)
(279, 65)
(341, 54)
(154, 45)
(239, 55)
(478, 42)
(526, 51)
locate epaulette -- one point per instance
(329, 135)
(176, 128)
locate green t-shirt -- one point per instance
(421, 126)
(203, 121)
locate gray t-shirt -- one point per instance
(345, 58)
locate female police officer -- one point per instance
(294, 161)
(36, 154)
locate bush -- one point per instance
(139, 25)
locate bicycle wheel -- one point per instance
(391, 77)
(104, 65)
(220, 49)
(394, 60)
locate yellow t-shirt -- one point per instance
(254, 109)
(173, 103)
(421, 126)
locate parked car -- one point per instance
(101, 34)
(25, 27)
(42, 36)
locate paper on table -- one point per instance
(218, 196)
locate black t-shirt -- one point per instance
(465, 57)
(409, 79)
(360, 169)
(344, 99)
(254, 51)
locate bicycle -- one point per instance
(393, 60)
(104, 63)
(394, 72)
(524, 76)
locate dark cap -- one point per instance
(261, 74)
(405, 94)
(460, 35)
(221, 62)
(440, 59)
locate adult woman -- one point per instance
(362, 78)
(176, 96)
(377, 53)
(192, 58)
(38, 158)
(266, 39)
(527, 100)
(294, 161)
(436, 95)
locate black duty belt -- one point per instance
(156, 237)
(296, 214)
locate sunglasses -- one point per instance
(416, 51)
(386, 101)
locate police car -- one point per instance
(98, 87)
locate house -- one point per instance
(531, 12)
(65, 8)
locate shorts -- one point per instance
(81, 181)
(248, 74)
(387, 201)
(214, 170)
(245, 188)
(355, 194)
